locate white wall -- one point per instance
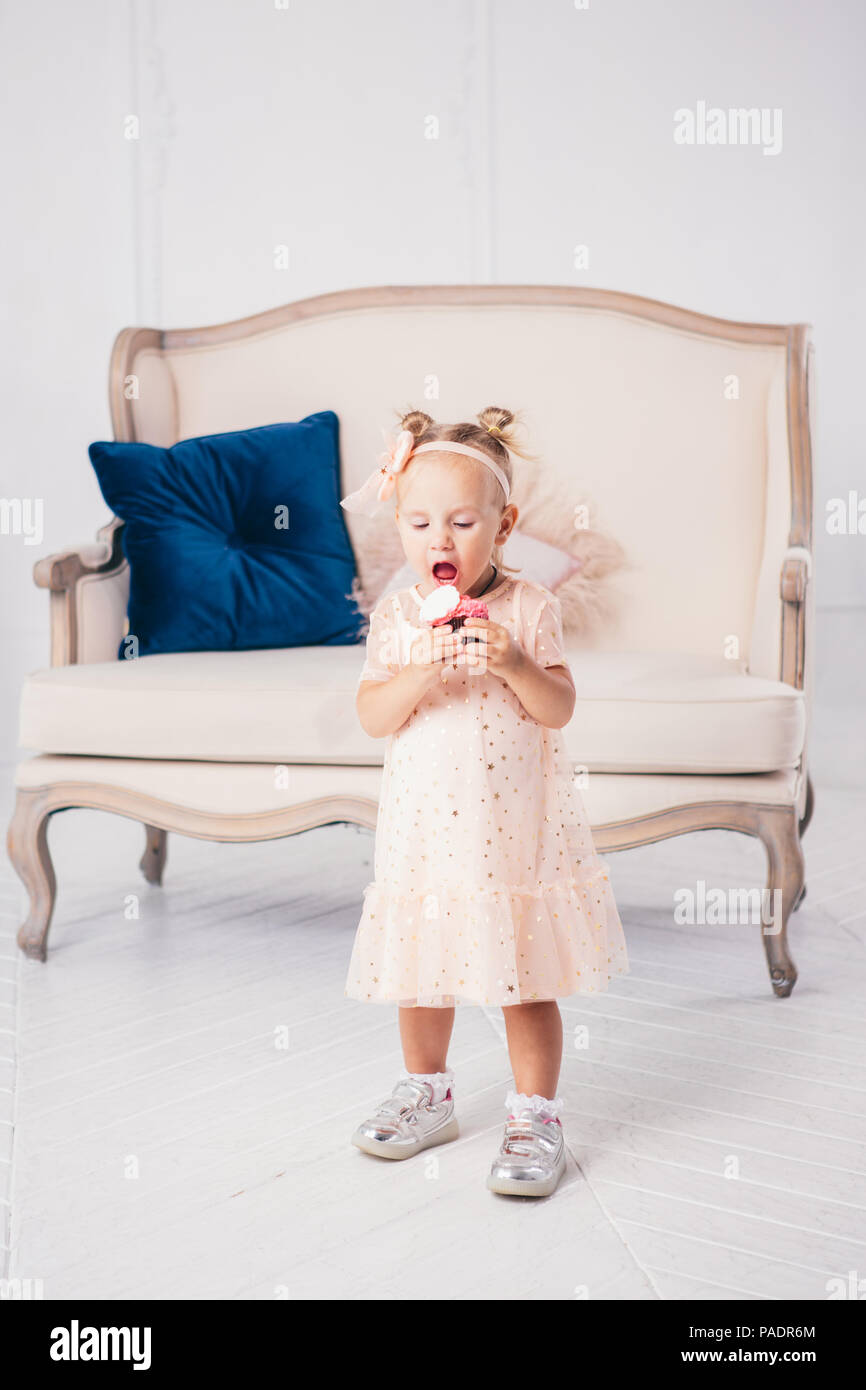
(306, 126)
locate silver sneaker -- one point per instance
(531, 1158)
(407, 1122)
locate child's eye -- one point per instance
(464, 523)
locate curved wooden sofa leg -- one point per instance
(27, 844)
(809, 807)
(152, 862)
(780, 832)
(807, 816)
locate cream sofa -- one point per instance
(691, 433)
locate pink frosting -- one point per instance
(466, 608)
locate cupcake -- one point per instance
(447, 605)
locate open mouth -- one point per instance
(444, 572)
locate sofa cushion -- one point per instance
(234, 541)
(635, 711)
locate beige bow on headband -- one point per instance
(382, 481)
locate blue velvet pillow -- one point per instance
(234, 540)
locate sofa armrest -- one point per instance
(794, 581)
(83, 628)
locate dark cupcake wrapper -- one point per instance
(455, 625)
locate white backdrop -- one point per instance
(307, 125)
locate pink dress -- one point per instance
(487, 888)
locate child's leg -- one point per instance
(420, 1111)
(534, 1033)
(425, 1035)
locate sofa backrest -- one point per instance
(690, 433)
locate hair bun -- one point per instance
(495, 419)
(416, 422)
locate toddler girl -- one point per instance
(487, 888)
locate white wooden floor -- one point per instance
(156, 1142)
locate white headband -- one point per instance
(382, 480)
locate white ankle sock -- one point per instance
(439, 1080)
(544, 1108)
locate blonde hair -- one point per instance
(493, 430)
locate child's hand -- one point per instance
(432, 649)
(494, 648)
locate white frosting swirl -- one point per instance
(443, 600)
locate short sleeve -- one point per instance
(381, 661)
(546, 631)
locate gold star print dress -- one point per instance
(487, 888)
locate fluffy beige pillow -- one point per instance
(567, 518)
